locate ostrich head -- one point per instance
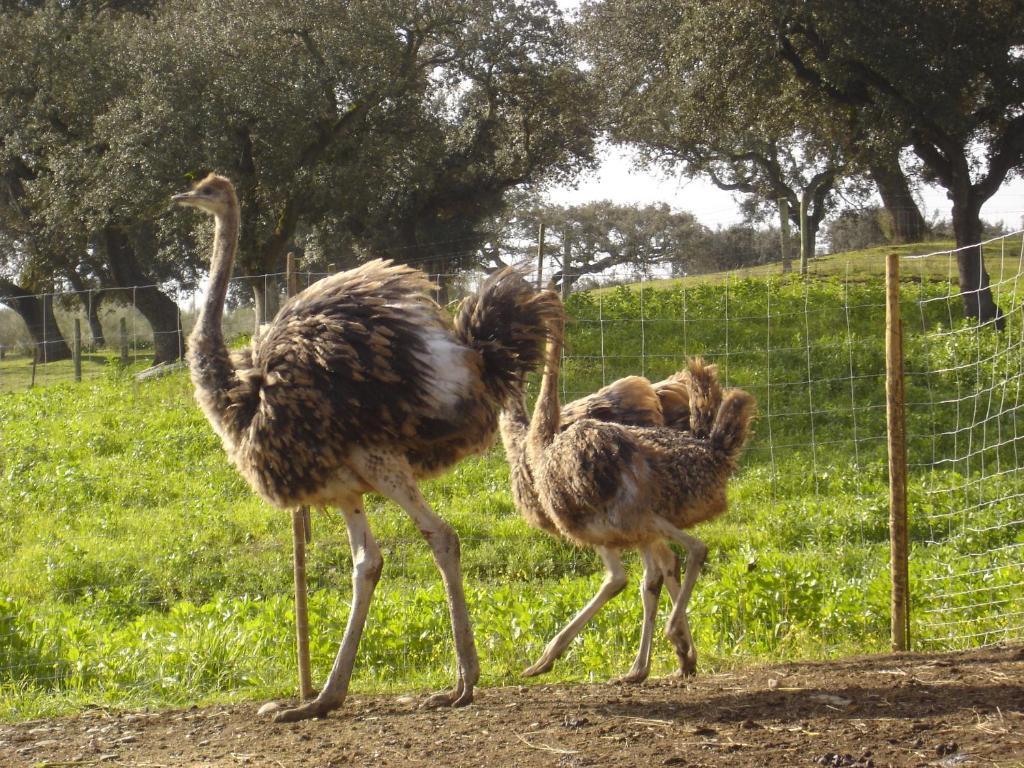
(214, 194)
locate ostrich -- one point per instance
(360, 384)
(630, 401)
(615, 486)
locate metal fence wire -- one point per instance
(810, 350)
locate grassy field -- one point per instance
(136, 568)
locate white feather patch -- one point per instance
(448, 381)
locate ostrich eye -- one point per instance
(205, 190)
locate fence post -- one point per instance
(300, 536)
(76, 349)
(804, 255)
(540, 256)
(566, 261)
(123, 326)
(897, 445)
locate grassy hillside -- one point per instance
(136, 568)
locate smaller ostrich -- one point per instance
(630, 401)
(361, 384)
(616, 486)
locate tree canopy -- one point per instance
(389, 126)
(849, 84)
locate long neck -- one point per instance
(213, 373)
(514, 425)
(225, 243)
(547, 411)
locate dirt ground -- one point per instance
(958, 709)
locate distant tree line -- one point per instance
(421, 130)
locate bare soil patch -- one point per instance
(955, 709)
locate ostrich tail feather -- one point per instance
(731, 429)
(507, 323)
(705, 396)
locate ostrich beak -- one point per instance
(181, 198)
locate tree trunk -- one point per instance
(37, 312)
(157, 307)
(908, 225)
(91, 300)
(93, 312)
(164, 318)
(975, 291)
(808, 219)
(266, 301)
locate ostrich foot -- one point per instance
(543, 665)
(314, 709)
(460, 696)
(633, 677)
(686, 653)
(687, 666)
(688, 663)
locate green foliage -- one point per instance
(138, 569)
(397, 126)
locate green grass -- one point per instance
(137, 568)
(17, 375)
(1002, 260)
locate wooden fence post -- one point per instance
(76, 349)
(804, 255)
(540, 256)
(300, 536)
(123, 325)
(897, 444)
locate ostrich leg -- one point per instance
(367, 564)
(678, 627)
(650, 591)
(668, 561)
(614, 582)
(391, 475)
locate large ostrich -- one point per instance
(360, 384)
(616, 486)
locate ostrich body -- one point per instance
(630, 401)
(361, 384)
(616, 486)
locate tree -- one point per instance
(508, 108)
(945, 78)
(57, 86)
(393, 127)
(21, 287)
(589, 239)
(690, 105)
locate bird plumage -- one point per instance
(601, 477)
(361, 383)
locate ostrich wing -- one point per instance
(631, 401)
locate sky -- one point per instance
(617, 179)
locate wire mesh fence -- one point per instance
(138, 563)
(969, 515)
